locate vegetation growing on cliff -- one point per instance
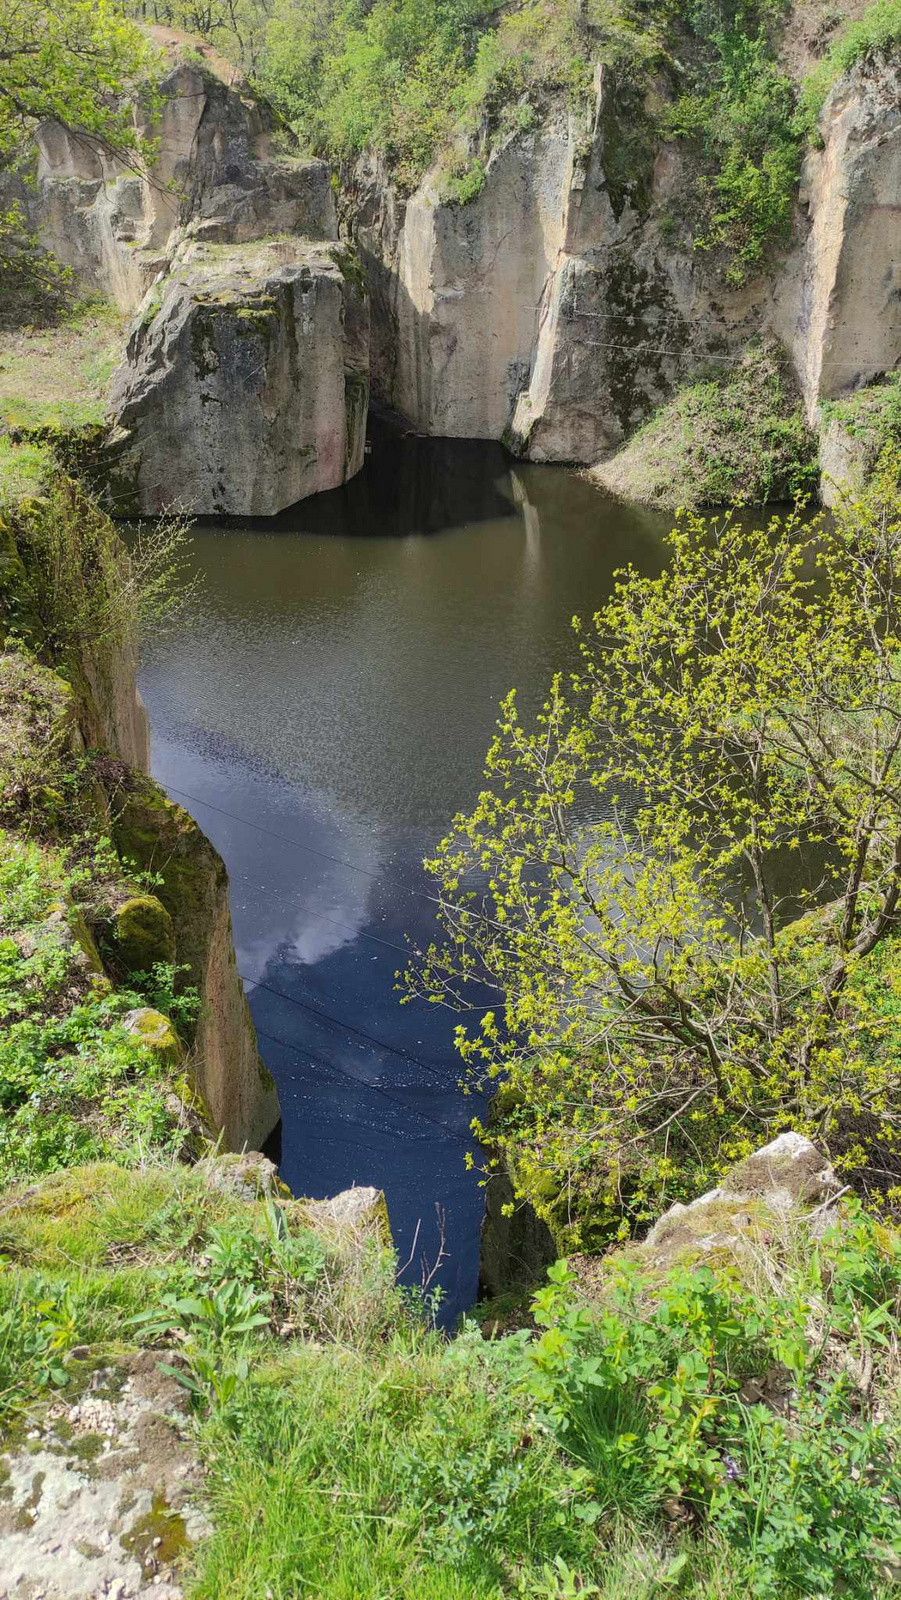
(78, 63)
(740, 437)
(735, 730)
(420, 79)
(871, 417)
(875, 32)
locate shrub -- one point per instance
(745, 1407)
(740, 122)
(624, 884)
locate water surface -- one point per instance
(323, 709)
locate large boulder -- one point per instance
(787, 1175)
(245, 384)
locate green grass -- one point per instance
(739, 437)
(876, 32)
(59, 376)
(24, 469)
(75, 1085)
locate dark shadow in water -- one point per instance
(323, 710)
(409, 485)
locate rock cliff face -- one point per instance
(245, 380)
(556, 309)
(214, 169)
(97, 715)
(838, 305)
(235, 1087)
(550, 310)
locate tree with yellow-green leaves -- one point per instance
(77, 62)
(683, 878)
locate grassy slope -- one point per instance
(739, 436)
(59, 376)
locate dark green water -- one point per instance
(323, 710)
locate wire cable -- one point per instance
(343, 1027)
(361, 1083)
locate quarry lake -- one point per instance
(323, 707)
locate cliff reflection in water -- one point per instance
(335, 687)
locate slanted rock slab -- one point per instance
(787, 1174)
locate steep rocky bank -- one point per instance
(228, 257)
(557, 308)
(74, 742)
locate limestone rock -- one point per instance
(214, 166)
(156, 1033)
(839, 302)
(142, 929)
(249, 1175)
(549, 310)
(787, 1174)
(353, 1211)
(100, 1498)
(845, 460)
(231, 1080)
(246, 388)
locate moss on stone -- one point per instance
(143, 933)
(155, 1032)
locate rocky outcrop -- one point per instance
(187, 919)
(244, 387)
(838, 305)
(214, 168)
(236, 1088)
(787, 1175)
(551, 310)
(245, 380)
(844, 462)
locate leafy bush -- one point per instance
(749, 1407)
(740, 121)
(631, 882)
(84, 589)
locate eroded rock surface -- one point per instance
(214, 168)
(839, 302)
(99, 1499)
(552, 310)
(788, 1174)
(245, 388)
(229, 1076)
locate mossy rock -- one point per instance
(144, 933)
(155, 1032)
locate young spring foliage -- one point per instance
(753, 1400)
(629, 883)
